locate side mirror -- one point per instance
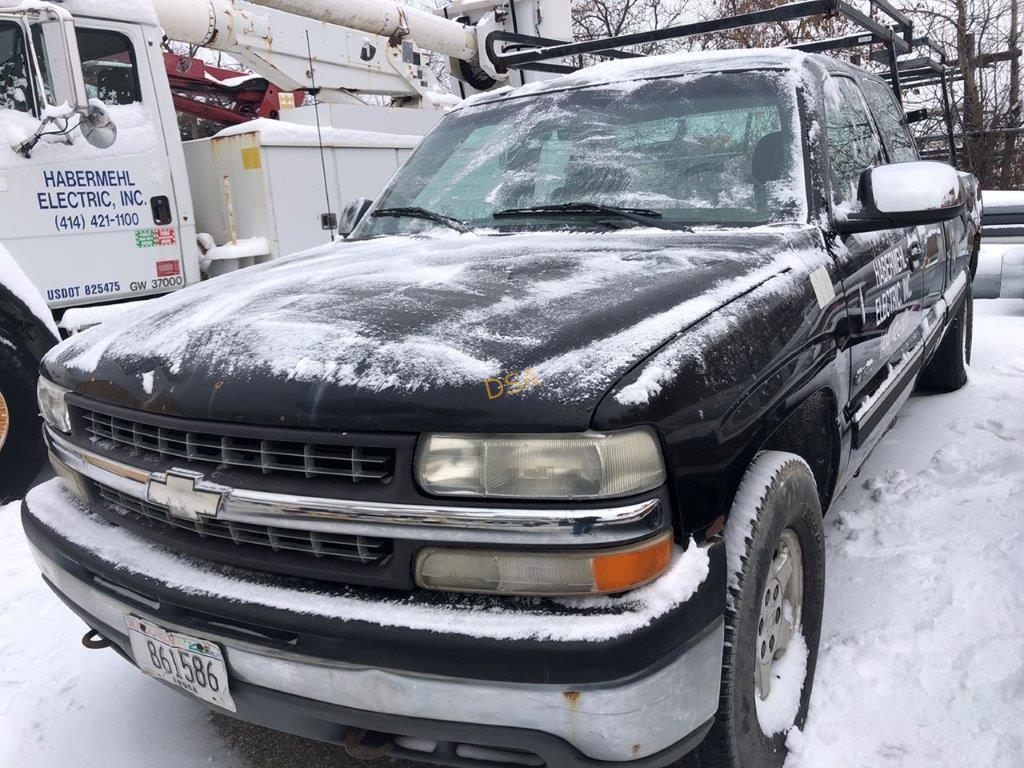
(904, 195)
(55, 71)
(97, 127)
(352, 214)
(55, 53)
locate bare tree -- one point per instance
(592, 19)
(982, 37)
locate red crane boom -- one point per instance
(224, 96)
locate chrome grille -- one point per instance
(353, 463)
(361, 549)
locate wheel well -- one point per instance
(810, 433)
(22, 329)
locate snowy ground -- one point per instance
(922, 659)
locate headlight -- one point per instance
(52, 406)
(588, 465)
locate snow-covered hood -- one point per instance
(403, 333)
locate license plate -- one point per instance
(191, 663)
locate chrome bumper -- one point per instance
(619, 721)
(435, 523)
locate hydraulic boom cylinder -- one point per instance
(209, 22)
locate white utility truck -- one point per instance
(102, 203)
(1001, 260)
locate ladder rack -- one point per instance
(509, 50)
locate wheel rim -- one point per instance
(5, 420)
(781, 605)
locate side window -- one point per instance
(108, 65)
(15, 92)
(853, 144)
(891, 121)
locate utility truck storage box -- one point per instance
(264, 179)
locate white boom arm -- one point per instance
(356, 46)
(389, 19)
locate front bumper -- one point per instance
(286, 674)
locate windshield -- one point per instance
(698, 149)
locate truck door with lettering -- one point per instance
(930, 256)
(88, 225)
(877, 268)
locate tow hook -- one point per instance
(93, 640)
(356, 748)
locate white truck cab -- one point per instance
(89, 224)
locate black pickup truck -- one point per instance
(531, 469)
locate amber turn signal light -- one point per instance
(544, 573)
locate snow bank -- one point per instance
(921, 662)
(592, 619)
(279, 133)
(14, 279)
(63, 705)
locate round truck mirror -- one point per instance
(97, 127)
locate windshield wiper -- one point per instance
(639, 215)
(415, 212)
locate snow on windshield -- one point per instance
(695, 149)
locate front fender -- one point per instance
(718, 390)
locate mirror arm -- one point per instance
(852, 226)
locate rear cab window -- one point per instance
(853, 143)
(108, 65)
(892, 122)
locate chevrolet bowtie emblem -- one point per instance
(185, 494)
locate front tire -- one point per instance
(776, 550)
(22, 452)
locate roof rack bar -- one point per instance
(531, 44)
(606, 44)
(894, 70)
(902, 20)
(900, 43)
(835, 43)
(948, 115)
(919, 73)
